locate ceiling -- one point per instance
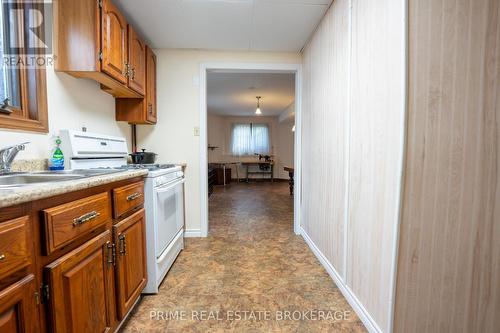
(234, 94)
(255, 25)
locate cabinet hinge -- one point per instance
(111, 255)
(45, 291)
(99, 56)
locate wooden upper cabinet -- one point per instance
(131, 273)
(151, 86)
(114, 42)
(18, 308)
(81, 288)
(137, 62)
(141, 111)
(91, 41)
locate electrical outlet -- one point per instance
(196, 131)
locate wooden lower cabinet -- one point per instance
(67, 265)
(131, 273)
(128, 198)
(15, 246)
(81, 288)
(17, 307)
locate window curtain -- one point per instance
(249, 139)
(241, 139)
(260, 139)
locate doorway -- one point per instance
(240, 121)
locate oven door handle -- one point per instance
(167, 187)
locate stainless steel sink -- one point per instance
(29, 179)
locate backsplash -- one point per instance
(30, 165)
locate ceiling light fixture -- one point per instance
(258, 111)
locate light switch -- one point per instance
(196, 131)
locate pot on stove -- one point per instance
(143, 157)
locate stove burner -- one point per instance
(150, 167)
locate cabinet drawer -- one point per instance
(127, 198)
(15, 246)
(67, 222)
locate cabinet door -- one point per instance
(81, 288)
(151, 87)
(114, 42)
(137, 60)
(18, 308)
(131, 274)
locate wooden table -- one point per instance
(224, 165)
(290, 171)
(267, 165)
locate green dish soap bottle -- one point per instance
(57, 158)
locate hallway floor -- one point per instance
(252, 274)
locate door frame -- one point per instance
(251, 68)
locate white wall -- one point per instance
(353, 113)
(72, 103)
(288, 114)
(178, 112)
(281, 137)
(285, 152)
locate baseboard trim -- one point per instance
(190, 233)
(349, 295)
(252, 180)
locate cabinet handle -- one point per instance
(2, 257)
(85, 218)
(126, 71)
(111, 253)
(122, 245)
(134, 196)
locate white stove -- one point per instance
(163, 195)
(164, 202)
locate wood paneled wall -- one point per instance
(449, 254)
(353, 112)
(376, 151)
(325, 134)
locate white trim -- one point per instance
(255, 68)
(192, 233)
(203, 152)
(399, 207)
(297, 174)
(349, 295)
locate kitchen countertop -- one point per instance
(181, 164)
(18, 195)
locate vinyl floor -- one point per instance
(251, 274)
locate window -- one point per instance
(23, 95)
(249, 139)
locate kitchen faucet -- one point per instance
(7, 156)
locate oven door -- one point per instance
(169, 213)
